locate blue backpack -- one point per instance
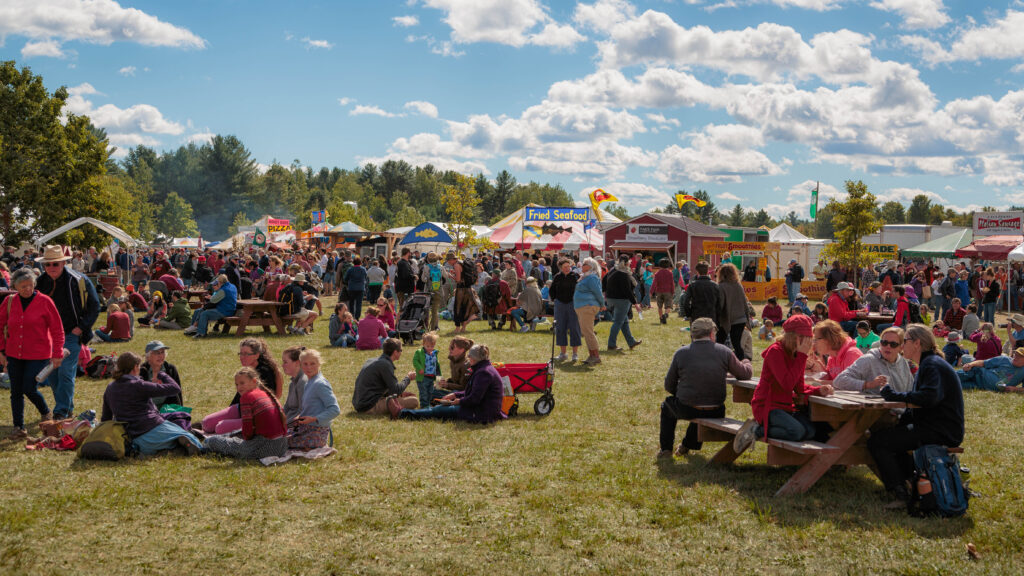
(949, 495)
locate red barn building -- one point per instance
(658, 235)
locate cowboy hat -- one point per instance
(55, 253)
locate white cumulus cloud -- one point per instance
(423, 108)
(405, 21)
(511, 22)
(310, 43)
(127, 71)
(45, 48)
(94, 21)
(345, 101)
(140, 124)
(916, 14)
(364, 110)
(200, 138)
(722, 153)
(1000, 40)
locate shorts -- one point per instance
(300, 315)
(664, 299)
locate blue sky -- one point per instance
(751, 100)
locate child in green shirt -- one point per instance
(865, 337)
(428, 369)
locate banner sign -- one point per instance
(884, 251)
(998, 223)
(647, 233)
(278, 225)
(715, 247)
(556, 214)
(318, 216)
(744, 252)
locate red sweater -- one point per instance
(839, 309)
(119, 326)
(33, 334)
(663, 282)
(260, 415)
(781, 377)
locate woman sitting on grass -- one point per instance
(371, 331)
(129, 399)
(479, 403)
(252, 353)
(263, 424)
(782, 376)
(342, 329)
(156, 311)
(312, 427)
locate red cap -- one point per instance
(800, 324)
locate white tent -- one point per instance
(114, 231)
(1017, 254)
(184, 243)
(512, 232)
(795, 246)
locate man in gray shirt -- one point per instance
(696, 382)
(377, 390)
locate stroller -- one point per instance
(413, 318)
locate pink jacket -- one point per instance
(371, 330)
(33, 334)
(847, 354)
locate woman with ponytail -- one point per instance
(263, 422)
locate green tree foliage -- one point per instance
(49, 168)
(736, 216)
(460, 201)
(792, 219)
(920, 210)
(240, 220)
(408, 216)
(494, 203)
(761, 218)
(175, 218)
(823, 225)
(853, 219)
(892, 212)
(617, 210)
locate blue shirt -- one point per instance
(588, 292)
(1001, 368)
(318, 400)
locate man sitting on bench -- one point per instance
(696, 382)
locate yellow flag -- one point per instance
(684, 198)
(597, 197)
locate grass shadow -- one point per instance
(852, 500)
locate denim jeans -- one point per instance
(344, 341)
(163, 437)
(793, 426)
(518, 317)
(428, 392)
(988, 312)
(107, 337)
(941, 305)
(437, 412)
(794, 289)
(620, 308)
(23, 385)
(62, 380)
(567, 325)
(204, 320)
(355, 303)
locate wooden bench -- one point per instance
(780, 452)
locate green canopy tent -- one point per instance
(943, 247)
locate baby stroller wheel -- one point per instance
(544, 405)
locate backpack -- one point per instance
(915, 313)
(436, 274)
(101, 366)
(108, 441)
(949, 495)
(492, 294)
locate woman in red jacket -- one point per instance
(31, 337)
(782, 376)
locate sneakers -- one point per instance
(191, 330)
(746, 437)
(525, 328)
(563, 357)
(682, 450)
(18, 434)
(394, 407)
(635, 344)
(664, 455)
(592, 360)
(575, 357)
(664, 318)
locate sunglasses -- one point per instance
(53, 264)
(889, 343)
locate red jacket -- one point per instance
(781, 377)
(260, 415)
(847, 354)
(33, 334)
(839, 309)
(663, 282)
(119, 326)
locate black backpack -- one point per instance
(492, 294)
(915, 313)
(101, 366)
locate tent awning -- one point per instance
(426, 233)
(942, 247)
(990, 247)
(114, 231)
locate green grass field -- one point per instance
(576, 492)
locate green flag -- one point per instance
(259, 239)
(814, 201)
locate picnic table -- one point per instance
(197, 293)
(876, 318)
(849, 413)
(257, 313)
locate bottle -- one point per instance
(924, 486)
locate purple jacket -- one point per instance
(481, 400)
(129, 399)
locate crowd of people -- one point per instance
(53, 313)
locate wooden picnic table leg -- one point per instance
(725, 455)
(243, 321)
(277, 320)
(818, 465)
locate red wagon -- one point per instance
(529, 379)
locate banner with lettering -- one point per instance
(998, 223)
(538, 214)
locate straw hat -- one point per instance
(55, 253)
